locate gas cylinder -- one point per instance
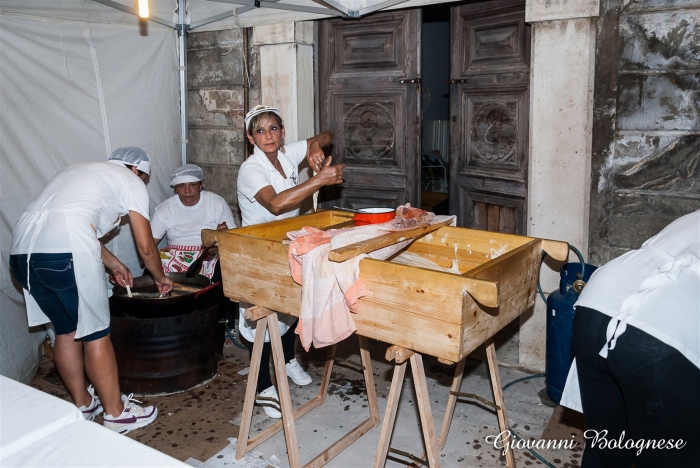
(560, 324)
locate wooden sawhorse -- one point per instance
(432, 445)
(267, 320)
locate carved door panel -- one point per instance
(490, 63)
(368, 99)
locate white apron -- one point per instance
(93, 303)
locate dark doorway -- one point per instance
(435, 91)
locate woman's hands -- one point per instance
(145, 243)
(314, 153)
(164, 286)
(288, 200)
(121, 274)
(330, 175)
(315, 157)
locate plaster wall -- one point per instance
(647, 122)
(548, 10)
(287, 81)
(562, 67)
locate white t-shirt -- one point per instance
(94, 194)
(655, 288)
(258, 172)
(79, 205)
(182, 225)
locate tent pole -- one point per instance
(182, 45)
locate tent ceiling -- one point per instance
(247, 14)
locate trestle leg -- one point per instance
(267, 320)
(401, 356)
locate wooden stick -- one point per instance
(451, 403)
(349, 251)
(290, 432)
(362, 428)
(369, 380)
(327, 370)
(426, 415)
(499, 400)
(251, 390)
(392, 405)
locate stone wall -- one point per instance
(216, 93)
(646, 131)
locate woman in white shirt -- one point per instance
(181, 218)
(59, 260)
(637, 347)
(268, 190)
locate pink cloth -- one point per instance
(331, 290)
(325, 312)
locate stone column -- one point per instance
(286, 74)
(561, 115)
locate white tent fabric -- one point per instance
(88, 10)
(72, 91)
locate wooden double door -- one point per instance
(370, 77)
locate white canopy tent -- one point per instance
(79, 78)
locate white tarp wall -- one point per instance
(73, 91)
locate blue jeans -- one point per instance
(53, 287)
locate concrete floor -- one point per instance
(199, 426)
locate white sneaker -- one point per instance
(133, 417)
(297, 374)
(270, 402)
(95, 408)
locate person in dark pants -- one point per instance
(59, 260)
(637, 348)
(644, 390)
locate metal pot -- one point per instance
(366, 216)
(146, 303)
(167, 355)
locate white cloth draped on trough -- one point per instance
(330, 290)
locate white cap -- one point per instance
(259, 109)
(132, 156)
(185, 174)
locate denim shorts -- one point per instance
(53, 287)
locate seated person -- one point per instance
(637, 347)
(181, 219)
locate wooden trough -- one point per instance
(441, 314)
(417, 310)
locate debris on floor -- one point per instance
(227, 457)
(200, 426)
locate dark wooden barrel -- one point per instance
(162, 356)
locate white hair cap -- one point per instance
(186, 173)
(132, 156)
(259, 109)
